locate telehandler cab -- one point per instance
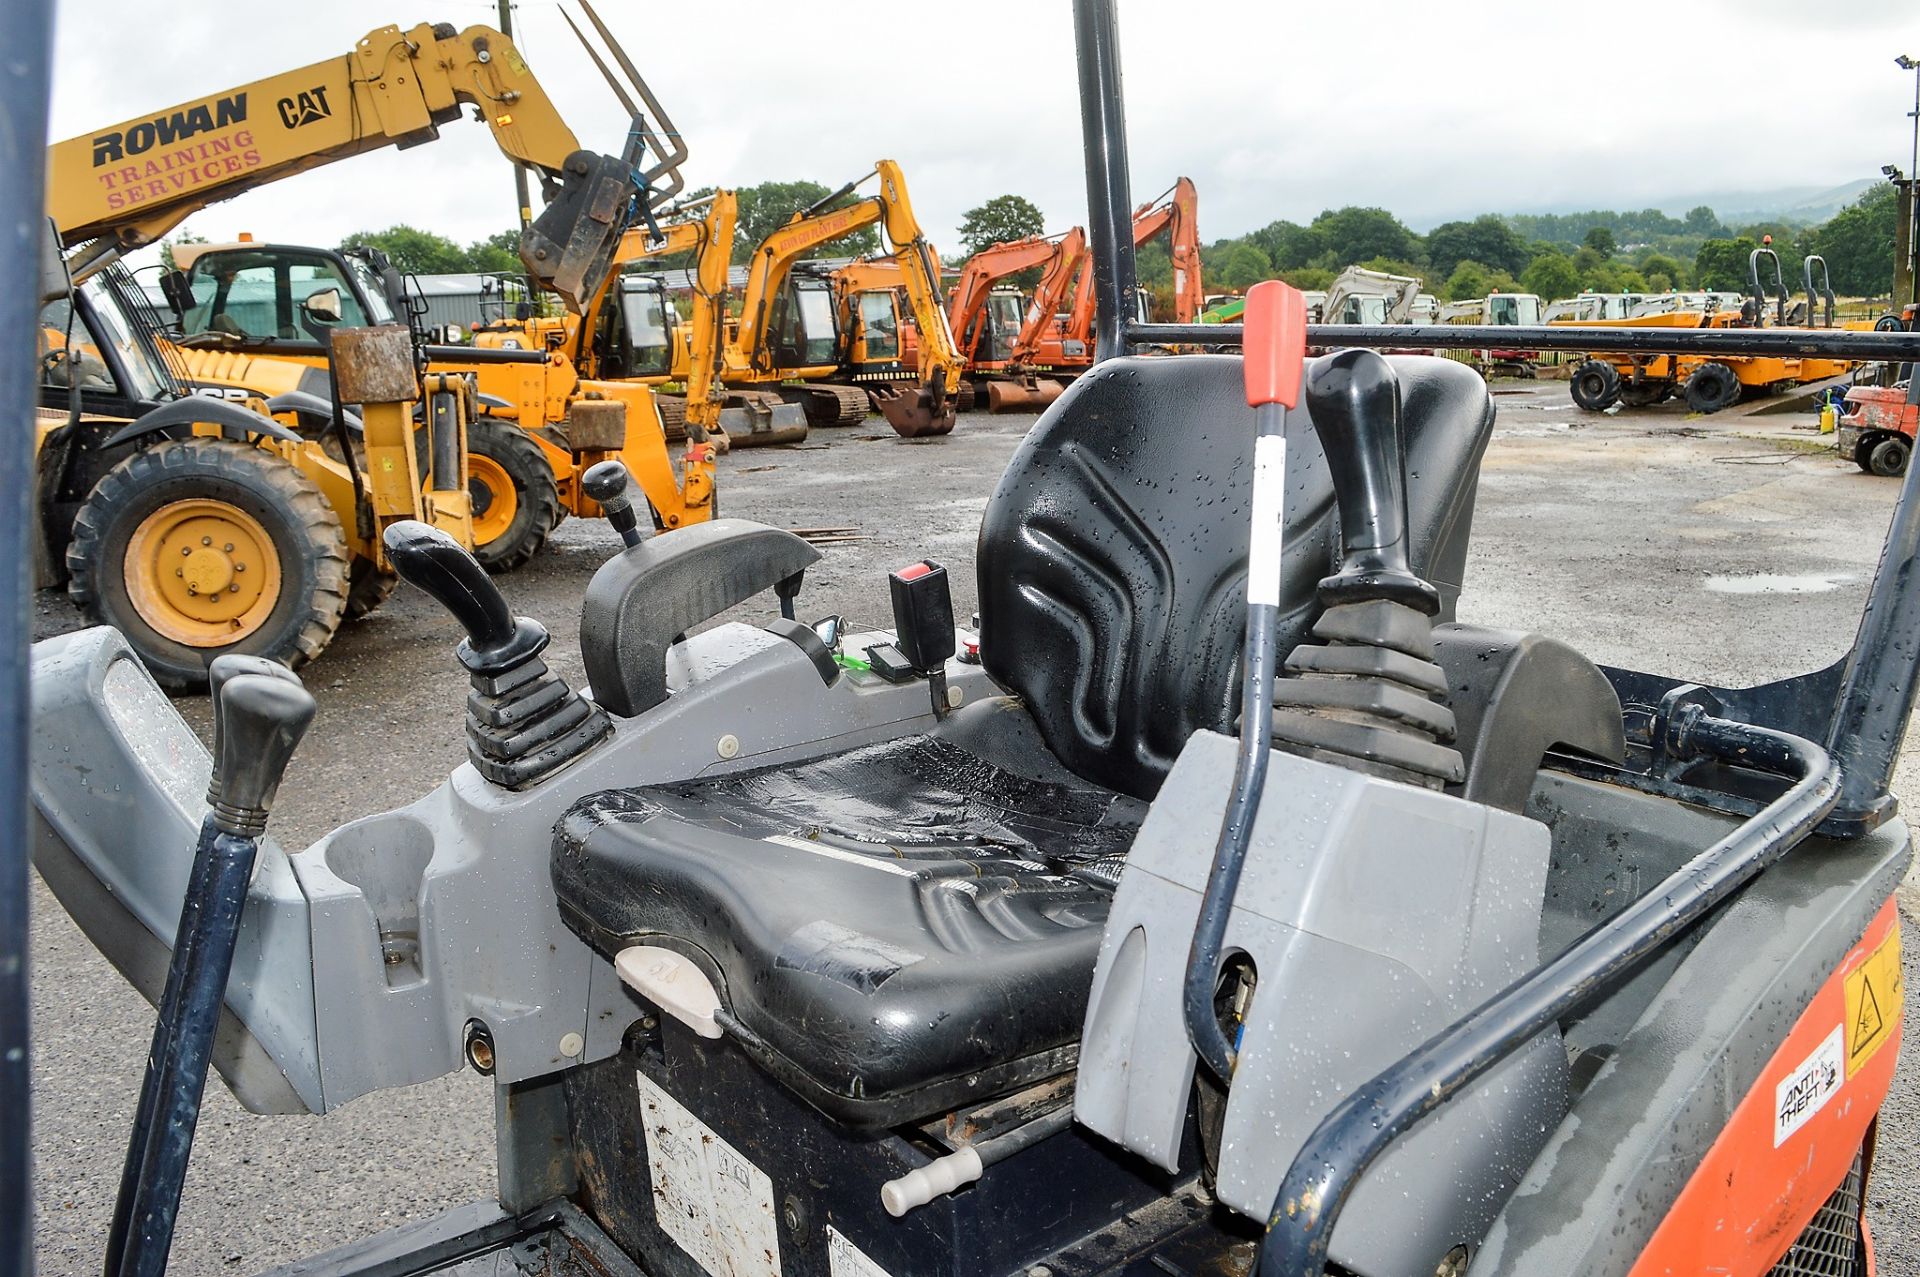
(1398, 947)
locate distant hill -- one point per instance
(1803, 204)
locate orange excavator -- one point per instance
(1066, 348)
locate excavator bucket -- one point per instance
(1028, 394)
(570, 246)
(915, 413)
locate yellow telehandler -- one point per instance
(199, 524)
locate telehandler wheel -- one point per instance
(198, 547)
(367, 588)
(1595, 385)
(515, 501)
(1713, 387)
(1889, 456)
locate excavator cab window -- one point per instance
(255, 296)
(649, 319)
(108, 338)
(805, 331)
(1005, 311)
(879, 326)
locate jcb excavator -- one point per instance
(632, 334)
(545, 423)
(788, 330)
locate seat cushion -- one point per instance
(899, 928)
(1113, 553)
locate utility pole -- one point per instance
(1908, 253)
(525, 201)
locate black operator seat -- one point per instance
(904, 927)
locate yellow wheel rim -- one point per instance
(494, 500)
(202, 573)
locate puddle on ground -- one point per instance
(1778, 583)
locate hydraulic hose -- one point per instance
(1347, 1141)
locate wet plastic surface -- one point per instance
(898, 928)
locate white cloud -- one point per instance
(1275, 109)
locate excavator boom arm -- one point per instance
(1049, 295)
(985, 269)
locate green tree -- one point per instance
(767, 207)
(1472, 279)
(498, 253)
(1701, 221)
(1354, 234)
(1289, 246)
(1002, 218)
(1308, 279)
(1721, 264)
(1601, 240)
(1858, 243)
(1235, 264)
(414, 251)
(178, 237)
(1486, 238)
(1552, 276)
(1660, 266)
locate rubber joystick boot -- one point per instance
(523, 722)
(1368, 695)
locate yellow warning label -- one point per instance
(1875, 991)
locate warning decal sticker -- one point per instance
(714, 1203)
(1875, 991)
(844, 1259)
(1806, 1090)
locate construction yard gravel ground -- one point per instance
(1724, 548)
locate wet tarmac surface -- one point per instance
(1684, 546)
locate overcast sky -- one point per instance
(1275, 109)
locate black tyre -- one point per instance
(1712, 387)
(367, 588)
(1595, 386)
(1889, 455)
(515, 500)
(1645, 394)
(1889, 324)
(198, 547)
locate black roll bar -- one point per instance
(1849, 778)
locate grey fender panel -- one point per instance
(114, 837)
(1610, 1173)
(455, 888)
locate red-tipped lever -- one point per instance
(1275, 343)
(1275, 360)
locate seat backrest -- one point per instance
(1113, 554)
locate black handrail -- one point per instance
(1788, 343)
(23, 235)
(1329, 1165)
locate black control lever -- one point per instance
(496, 639)
(523, 722)
(1355, 401)
(259, 717)
(606, 484)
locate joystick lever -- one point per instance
(260, 712)
(523, 722)
(1368, 695)
(606, 484)
(1355, 401)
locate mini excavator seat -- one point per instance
(900, 928)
